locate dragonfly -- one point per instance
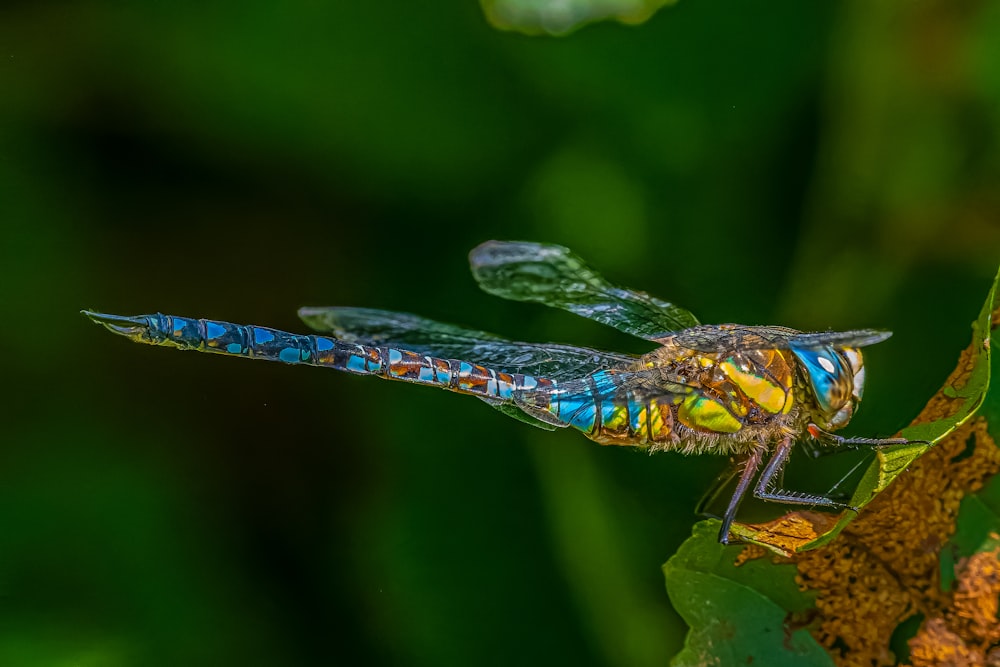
(748, 392)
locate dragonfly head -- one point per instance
(837, 379)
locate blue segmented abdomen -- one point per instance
(606, 411)
(257, 342)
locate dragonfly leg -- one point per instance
(717, 487)
(765, 489)
(750, 467)
(857, 443)
(816, 448)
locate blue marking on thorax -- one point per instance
(607, 411)
(634, 413)
(604, 381)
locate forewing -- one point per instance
(554, 276)
(856, 338)
(722, 338)
(448, 341)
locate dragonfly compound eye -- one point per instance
(832, 380)
(854, 358)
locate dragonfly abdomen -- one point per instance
(256, 342)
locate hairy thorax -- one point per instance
(728, 402)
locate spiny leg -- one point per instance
(765, 485)
(857, 443)
(823, 443)
(750, 467)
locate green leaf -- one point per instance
(738, 615)
(978, 523)
(959, 399)
(559, 17)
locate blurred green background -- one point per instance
(817, 165)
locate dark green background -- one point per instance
(817, 165)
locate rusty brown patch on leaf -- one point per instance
(750, 552)
(968, 631)
(942, 406)
(858, 606)
(791, 532)
(976, 598)
(937, 646)
(884, 566)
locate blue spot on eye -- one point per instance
(289, 355)
(324, 344)
(826, 384)
(262, 335)
(214, 330)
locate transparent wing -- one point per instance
(554, 276)
(522, 416)
(855, 338)
(447, 341)
(580, 400)
(717, 338)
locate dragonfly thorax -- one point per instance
(726, 401)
